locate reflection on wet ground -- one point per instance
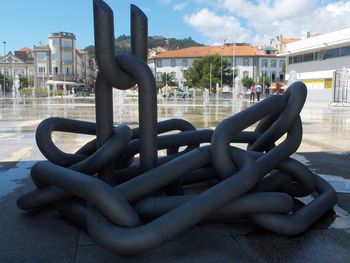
(326, 129)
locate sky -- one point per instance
(23, 23)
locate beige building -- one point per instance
(42, 62)
(21, 64)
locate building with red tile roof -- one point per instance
(251, 61)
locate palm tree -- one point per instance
(167, 79)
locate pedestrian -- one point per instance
(252, 92)
(258, 90)
(278, 88)
(266, 91)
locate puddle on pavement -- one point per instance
(12, 178)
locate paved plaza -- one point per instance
(45, 236)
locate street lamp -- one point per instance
(210, 70)
(233, 70)
(221, 68)
(4, 42)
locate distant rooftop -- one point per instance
(62, 34)
(286, 41)
(225, 51)
(25, 49)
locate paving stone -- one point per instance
(220, 249)
(313, 246)
(42, 255)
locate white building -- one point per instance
(279, 43)
(316, 58)
(249, 60)
(63, 56)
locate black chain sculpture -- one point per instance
(130, 206)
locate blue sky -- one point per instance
(26, 22)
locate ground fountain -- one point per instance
(15, 88)
(131, 200)
(293, 77)
(119, 97)
(206, 98)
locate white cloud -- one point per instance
(258, 21)
(217, 28)
(179, 6)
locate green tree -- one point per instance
(8, 82)
(247, 82)
(207, 70)
(24, 82)
(265, 80)
(166, 79)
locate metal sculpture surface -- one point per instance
(130, 206)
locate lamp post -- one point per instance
(4, 42)
(221, 68)
(233, 71)
(210, 69)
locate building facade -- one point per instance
(42, 65)
(279, 43)
(56, 65)
(248, 61)
(316, 58)
(61, 65)
(21, 64)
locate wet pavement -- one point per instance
(45, 236)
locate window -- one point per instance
(245, 74)
(282, 63)
(68, 58)
(55, 42)
(245, 61)
(297, 59)
(290, 60)
(55, 56)
(281, 77)
(273, 63)
(41, 56)
(67, 43)
(55, 70)
(345, 51)
(264, 73)
(41, 69)
(332, 53)
(264, 63)
(308, 57)
(173, 62)
(184, 63)
(320, 55)
(159, 63)
(273, 76)
(234, 61)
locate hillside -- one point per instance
(122, 44)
